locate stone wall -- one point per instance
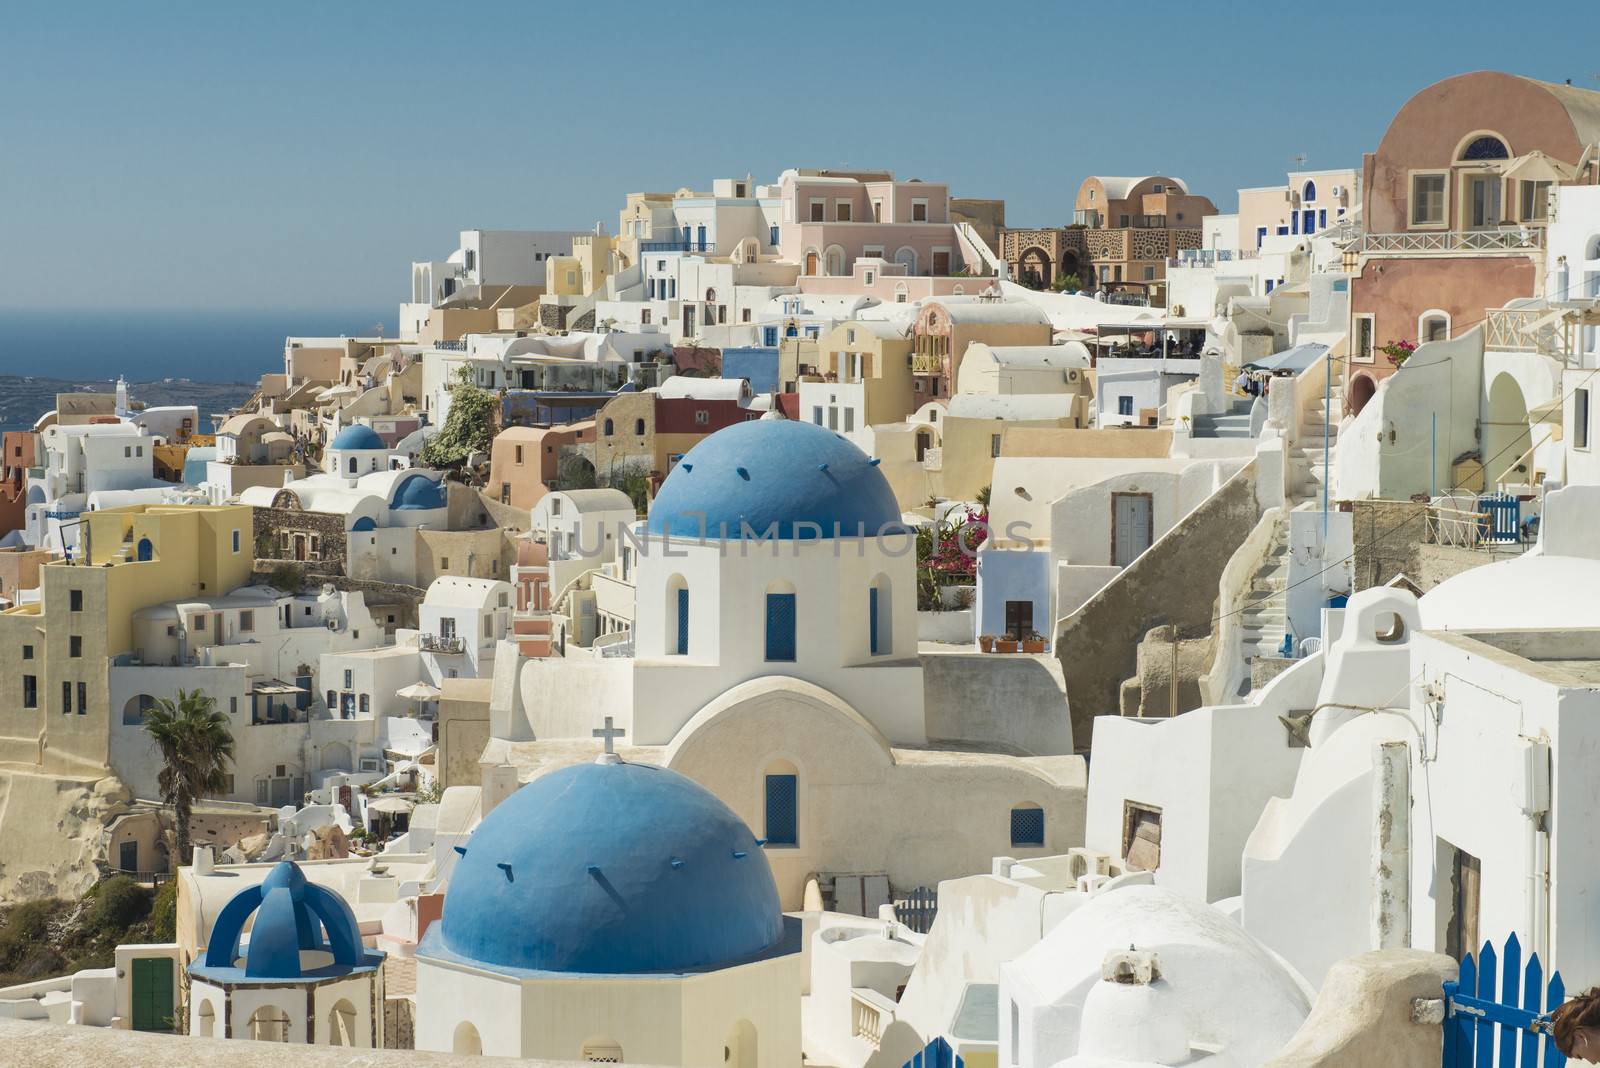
(989, 698)
(1174, 582)
(1393, 538)
(274, 532)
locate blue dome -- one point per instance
(419, 493)
(769, 472)
(614, 869)
(357, 436)
(291, 916)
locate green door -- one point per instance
(152, 994)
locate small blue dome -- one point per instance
(769, 473)
(357, 436)
(292, 916)
(614, 869)
(419, 493)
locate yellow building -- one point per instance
(54, 705)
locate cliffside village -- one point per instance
(817, 618)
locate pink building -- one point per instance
(830, 220)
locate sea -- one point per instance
(206, 345)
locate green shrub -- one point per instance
(119, 903)
(164, 913)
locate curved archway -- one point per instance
(36, 494)
(1362, 387)
(1482, 145)
(1071, 267)
(1034, 268)
(1308, 192)
(1508, 438)
(363, 524)
(907, 256)
(336, 757)
(711, 296)
(466, 1040)
(342, 1024)
(833, 261)
(147, 549)
(1433, 325)
(739, 1051)
(137, 708)
(269, 1024)
(205, 1020)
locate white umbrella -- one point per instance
(395, 806)
(418, 691)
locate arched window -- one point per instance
(782, 821)
(354, 466)
(780, 623)
(205, 1024)
(1433, 325)
(466, 1040)
(638, 427)
(610, 428)
(711, 296)
(677, 629)
(739, 1051)
(880, 617)
(333, 700)
(138, 706)
(1308, 192)
(1483, 147)
(342, 1024)
(1027, 825)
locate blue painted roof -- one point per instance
(419, 493)
(357, 436)
(769, 473)
(612, 869)
(291, 915)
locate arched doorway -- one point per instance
(1361, 390)
(205, 1020)
(269, 1024)
(908, 256)
(137, 708)
(147, 550)
(739, 1051)
(924, 443)
(466, 1040)
(342, 1024)
(1034, 269)
(811, 261)
(1507, 438)
(1070, 267)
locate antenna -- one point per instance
(1298, 159)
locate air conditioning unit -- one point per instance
(1338, 190)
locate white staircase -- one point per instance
(1264, 617)
(1307, 471)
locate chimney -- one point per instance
(205, 862)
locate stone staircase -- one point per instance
(1264, 617)
(1234, 423)
(1307, 472)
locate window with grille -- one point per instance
(780, 626)
(783, 797)
(1027, 826)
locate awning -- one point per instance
(277, 687)
(1535, 166)
(394, 806)
(417, 691)
(1292, 360)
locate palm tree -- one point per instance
(196, 748)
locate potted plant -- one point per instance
(1005, 645)
(1033, 642)
(986, 642)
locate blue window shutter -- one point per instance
(780, 626)
(683, 622)
(783, 824)
(1027, 826)
(872, 619)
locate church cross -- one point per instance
(610, 733)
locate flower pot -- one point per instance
(1005, 645)
(986, 643)
(1033, 647)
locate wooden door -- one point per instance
(1132, 526)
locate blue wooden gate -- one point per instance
(1479, 1021)
(1501, 519)
(918, 909)
(936, 1054)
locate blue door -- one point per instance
(147, 551)
(683, 622)
(700, 238)
(1308, 222)
(780, 626)
(783, 823)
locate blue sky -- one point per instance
(299, 156)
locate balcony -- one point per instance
(1148, 222)
(1450, 242)
(870, 1013)
(1092, 219)
(678, 245)
(1555, 331)
(439, 643)
(924, 364)
(1210, 257)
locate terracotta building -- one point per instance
(18, 448)
(1454, 205)
(1122, 234)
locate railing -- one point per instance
(1492, 522)
(1210, 257)
(1087, 218)
(1474, 1012)
(1521, 330)
(933, 458)
(1138, 300)
(918, 909)
(146, 878)
(1148, 222)
(678, 245)
(458, 345)
(434, 643)
(922, 364)
(1509, 239)
(869, 1011)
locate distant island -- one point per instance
(24, 398)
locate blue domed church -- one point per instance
(615, 912)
